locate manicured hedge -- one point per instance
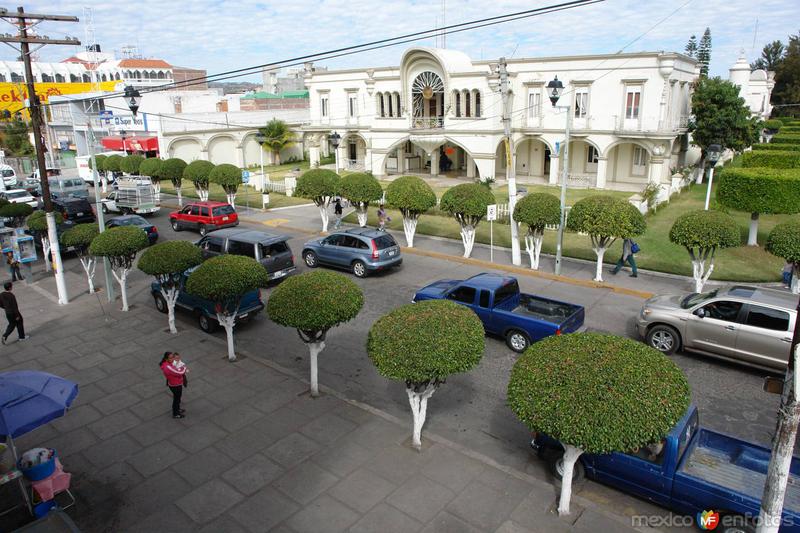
(99, 159)
(228, 176)
(151, 167)
(80, 236)
(786, 138)
(37, 221)
(777, 147)
(784, 241)
(773, 124)
(598, 392)
(771, 158)
(130, 164)
(360, 188)
(790, 129)
(198, 171)
(317, 184)
(16, 212)
(605, 216)
(411, 195)
(705, 229)
(171, 257)
(226, 278)
(759, 190)
(538, 210)
(467, 200)
(111, 163)
(172, 169)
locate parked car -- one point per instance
(52, 172)
(9, 176)
(360, 250)
(32, 185)
(135, 220)
(77, 210)
(19, 196)
(133, 194)
(692, 470)
(750, 325)
(60, 230)
(271, 250)
(250, 306)
(518, 317)
(204, 217)
(61, 187)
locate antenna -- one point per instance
(755, 36)
(91, 46)
(444, 25)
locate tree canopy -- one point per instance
(198, 171)
(151, 167)
(606, 216)
(112, 163)
(16, 212)
(15, 140)
(315, 301)
(597, 392)
(467, 200)
(170, 258)
(130, 164)
(704, 53)
(760, 190)
(721, 116)
(705, 229)
(172, 169)
(426, 342)
(771, 159)
(277, 136)
(226, 278)
(411, 195)
(771, 57)
(227, 176)
(361, 187)
(538, 210)
(80, 236)
(784, 241)
(787, 78)
(318, 184)
(37, 221)
(99, 159)
(120, 245)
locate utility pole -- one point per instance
(99, 207)
(34, 107)
(511, 159)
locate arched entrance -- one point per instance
(533, 159)
(186, 149)
(222, 149)
(628, 166)
(353, 152)
(583, 161)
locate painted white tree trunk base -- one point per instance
(46, 253)
(228, 322)
(202, 194)
(361, 213)
(795, 286)
(571, 454)
(409, 228)
(314, 349)
(170, 296)
(180, 198)
(157, 187)
(533, 245)
(419, 408)
(323, 214)
(89, 264)
(468, 239)
(123, 286)
(700, 275)
(231, 198)
(600, 252)
(752, 236)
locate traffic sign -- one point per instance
(491, 212)
(245, 176)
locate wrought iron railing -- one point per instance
(427, 123)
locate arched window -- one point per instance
(397, 104)
(73, 78)
(103, 78)
(427, 99)
(86, 78)
(46, 78)
(390, 110)
(2, 77)
(146, 75)
(381, 106)
(153, 75)
(477, 95)
(161, 75)
(137, 74)
(457, 103)
(467, 104)
(60, 78)
(16, 78)
(116, 76)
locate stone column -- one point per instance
(368, 160)
(240, 156)
(435, 162)
(554, 170)
(602, 165)
(655, 170)
(204, 155)
(470, 166)
(313, 156)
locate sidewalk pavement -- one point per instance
(255, 452)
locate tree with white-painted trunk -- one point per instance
(759, 191)
(167, 262)
(172, 170)
(605, 219)
(112, 165)
(197, 172)
(784, 241)
(130, 164)
(229, 177)
(421, 345)
(15, 214)
(313, 303)
(412, 196)
(120, 245)
(100, 170)
(225, 280)
(151, 167)
(80, 238)
(360, 189)
(319, 185)
(467, 203)
(37, 224)
(702, 233)
(594, 393)
(537, 211)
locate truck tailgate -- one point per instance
(568, 317)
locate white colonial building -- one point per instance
(629, 116)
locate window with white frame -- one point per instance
(534, 103)
(323, 105)
(639, 163)
(591, 159)
(581, 102)
(352, 105)
(633, 99)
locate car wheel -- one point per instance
(202, 229)
(663, 338)
(161, 303)
(311, 259)
(206, 324)
(359, 269)
(105, 208)
(517, 340)
(557, 468)
(175, 225)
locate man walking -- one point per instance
(9, 302)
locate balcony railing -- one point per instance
(427, 123)
(646, 124)
(354, 164)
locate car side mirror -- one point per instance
(700, 313)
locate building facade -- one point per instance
(440, 111)
(754, 86)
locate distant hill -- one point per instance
(229, 87)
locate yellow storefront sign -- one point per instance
(13, 95)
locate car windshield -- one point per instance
(18, 194)
(131, 221)
(7, 173)
(697, 297)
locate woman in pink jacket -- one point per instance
(175, 378)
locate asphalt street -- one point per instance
(470, 408)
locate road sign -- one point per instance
(245, 176)
(491, 212)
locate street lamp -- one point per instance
(261, 139)
(132, 98)
(713, 153)
(554, 90)
(123, 135)
(335, 139)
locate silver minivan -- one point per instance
(750, 325)
(61, 187)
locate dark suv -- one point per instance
(361, 250)
(77, 210)
(269, 249)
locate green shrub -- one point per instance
(759, 190)
(130, 164)
(172, 169)
(791, 129)
(773, 124)
(786, 138)
(606, 217)
(37, 221)
(112, 163)
(598, 392)
(361, 188)
(426, 342)
(537, 211)
(771, 158)
(705, 229)
(318, 184)
(170, 259)
(80, 236)
(778, 147)
(17, 213)
(314, 302)
(226, 278)
(99, 159)
(227, 176)
(784, 241)
(411, 195)
(467, 202)
(151, 167)
(120, 245)
(197, 172)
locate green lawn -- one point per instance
(217, 194)
(744, 263)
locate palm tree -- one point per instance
(277, 136)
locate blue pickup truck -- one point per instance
(692, 470)
(203, 309)
(517, 317)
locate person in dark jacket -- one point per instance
(13, 266)
(337, 212)
(9, 302)
(627, 256)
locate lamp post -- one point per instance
(261, 139)
(554, 90)
(132, 98)
(335, 139)
(714, 152)
(123, 135)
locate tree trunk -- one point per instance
(170, 296)
(699, 274)
(795, 286)
(89, 264)
(46, 252)
(533, 245)
(123, 289)
(323, 213)
(409, 228)
(361, 213)
(314, 349)
(419, 408)
(228, 322)
(600, 251)
(752, 237)
(571, 454)
(468, 239)
(180, 199)
(277, 157)
(104, 182)
(231, 198)
(157, 187)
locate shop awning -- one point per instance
(131, 144)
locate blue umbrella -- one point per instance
(29, 399)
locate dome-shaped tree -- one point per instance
(15, 214)
(229, 177)
(197, 172)
(130, 164)
(79, 238)
(412, 196)
(120, 245)
(467, 203)
(172, 170)
(537, 211)
(37, 224)
(319, 185)
(151, 167)
(360, 189)
(701, 233)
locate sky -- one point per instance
(219, 35)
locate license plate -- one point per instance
(224, 218)
(79, 214)
(392, 252)
(279, 274)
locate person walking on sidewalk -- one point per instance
(13, 266)
(629, 249)
(382, 218)
(9, 302)
(337, 212)
(175, 379)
